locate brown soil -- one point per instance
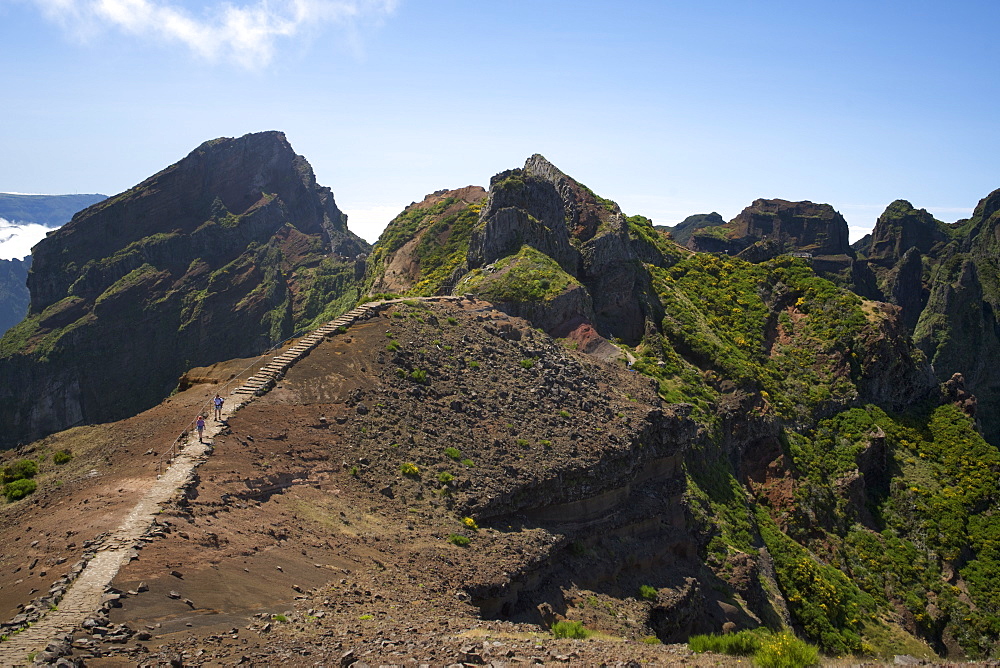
(303, 538)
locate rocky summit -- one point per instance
(531, 429)
(222, 254)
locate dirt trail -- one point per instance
(84, 597)
(85, 594)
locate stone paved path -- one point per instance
(85, 594)
(84, 597)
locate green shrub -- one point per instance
(419, 375)
(651, 640)
(527, 364)
(568, 629)
(393, 346)
(743, 643)
(445, 477)
(468, 462)
(453, 453)
(22, 468)
(648, 593)
(18, 489)
(828, 605)
(458, 539)
(473, 364)
(784, 650)
(528, 276)
(62, 457)
(409, 469)
(564, 414)
(452, 320)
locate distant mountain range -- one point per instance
(47, 210)
(24, 220)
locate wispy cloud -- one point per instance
(245, 33)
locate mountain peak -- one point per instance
(223, 253)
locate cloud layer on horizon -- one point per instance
(247, 34)
(16, 239)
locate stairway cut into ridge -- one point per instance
(85, 595)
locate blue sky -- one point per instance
(669, 108)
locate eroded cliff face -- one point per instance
(595, 247)
(221, 254)
(784, 226)
(945, 280)
(902, 227)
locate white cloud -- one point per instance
(244, 33)
(855, 232)
(369, 220)
(16, 239)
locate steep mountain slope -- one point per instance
(21, 218)
(784, 457)
(223, 253)
(773, 358)
(945, 279)
(13, 292)
(682, 231)
(423, 248)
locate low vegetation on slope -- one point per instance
(422, 249)
(527, 276)
(867, 514)
(804, 389)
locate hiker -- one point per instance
(200, 424)
(218, 401)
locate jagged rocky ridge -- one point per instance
(829, 484)
(222, 254)
(945, 279)
(809, 386)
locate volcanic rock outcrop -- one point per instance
(223, 253)
(944, 278)
(786, 226)
(549, 249)
(777, 451)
